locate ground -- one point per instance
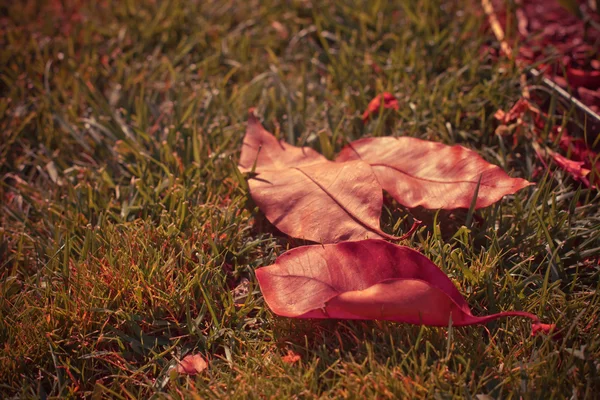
(125, 226)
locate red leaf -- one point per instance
(365, 280)
(267, 152)
(389, 101)
(574, 168)
(291, 357)
(539, 328)
(192, 364)
(429, 174)
(324, 202)
(517, 111)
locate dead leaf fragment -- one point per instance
(291, 357)
(539, 328)
(389, 102)
(574, 168)
(192, 364)
(281, 30)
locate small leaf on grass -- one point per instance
(429, 174)
(574, 168)
(281, 30)
(546, 329)
(389, 101)
(325, 202)
(192, 364)
(291, 357)
(365, 280)
(262, 150)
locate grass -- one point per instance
(125, 225)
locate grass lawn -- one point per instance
(125, 226)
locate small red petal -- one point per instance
(389, 101)
(538, 328)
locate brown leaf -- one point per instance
(422, 173)
(369, 279)
(192, 364)
(263, 149)
(325, 202)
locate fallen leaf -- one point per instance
(389, 102)
(578, 150)
(366, 280)
(291, 357)
(574, 168)
(192, 364)
(263, 151)
(538, 328)
(429, 174)
(517, 111)
(325, 202)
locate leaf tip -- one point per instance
(252, 115)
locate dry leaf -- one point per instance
(308, 197)
(325, 202)
(291, 357)
(192, 364)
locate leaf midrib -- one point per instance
(348, 212)
(427, 179)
